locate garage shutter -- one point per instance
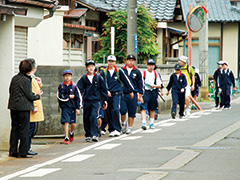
(20, 45)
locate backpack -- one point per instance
(72, 91)
(155, 76)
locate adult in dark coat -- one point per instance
(20, 104)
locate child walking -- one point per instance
(70, 101)
(93, 89)
(226, 80)
(198, 84)
(178, 84)
(152, 82)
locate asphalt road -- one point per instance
(203, 146)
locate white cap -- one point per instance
(183, 58)
(220, 62)
(111, 57)
(224, 62)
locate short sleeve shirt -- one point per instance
(187, 73)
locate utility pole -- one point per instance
(132, 27)
(203, 53)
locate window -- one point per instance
(76, 40)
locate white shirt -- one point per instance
(129, 70)
(90, 77)
(150, 78)
(111, 71)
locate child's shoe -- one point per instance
(144, 126)
(124, 127)
(152, 126)
(88, 139)
(71, 136)
(66, 140)
(95, 139)
(173, 115)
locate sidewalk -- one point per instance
(50, 148)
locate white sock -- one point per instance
(144, 121)
(151, 120)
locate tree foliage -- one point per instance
(147, 47)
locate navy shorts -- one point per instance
(150, 99)
(195, 92)
(68, 116)
(129, 105)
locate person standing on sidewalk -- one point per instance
(218, 98)
(127, 103)
(20, 104)
(150, 98)
(226, 80)
(94, 90)
(36, 115)
(114, 78)
(189, 73)
(177, 83)
(70, 101)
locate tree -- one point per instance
(147, 47)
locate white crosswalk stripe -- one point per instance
(151, 131)
(78, 158)
(131, 138)
(167, 124)
(107, 146)
(41, 172)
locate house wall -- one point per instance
(230, 41)
(45, 42)
(6, 71)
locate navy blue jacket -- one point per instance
(216, 77)
(177, 84)
(226, 79)
(64, 99)
(114, 83)
(136, 80)
(96, 90)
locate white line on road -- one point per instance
(151, 131)
(78, 158)
(194, 117)
(41, 172)
(107, 146)
(130, 138)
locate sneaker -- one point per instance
(71, 136)
(99, 132)
(180, 117)
(156, 116)
(129, 130)
(152, 126)
(88, 139)
(31, 152)
(95, 139)
(124, 127)
(144, 126)
(66, 140)
(114, 133)
(173, 115)
(188, 112)
(103, 132)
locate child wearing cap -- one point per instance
(178, 83)
(129, 105)
(93, 90)
(218, 97)
(198, 84)
(70, 101)
(189, 73)
(152, 82)
(114, 78)
(226, 80)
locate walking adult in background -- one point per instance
(36, 115)
(20, 104)
(189, 73)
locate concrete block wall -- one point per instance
(52, 77)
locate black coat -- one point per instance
(21, 96)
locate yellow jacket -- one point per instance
(38, 116)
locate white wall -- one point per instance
(6, 72)
(45, 42)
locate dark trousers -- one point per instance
(20, 130)
(218, 99)
(113, 112)
(226, 91)
(178, 96)
(91, 110)
(31, 132)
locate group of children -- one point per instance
(107, 97)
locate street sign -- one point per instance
(135, 43)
